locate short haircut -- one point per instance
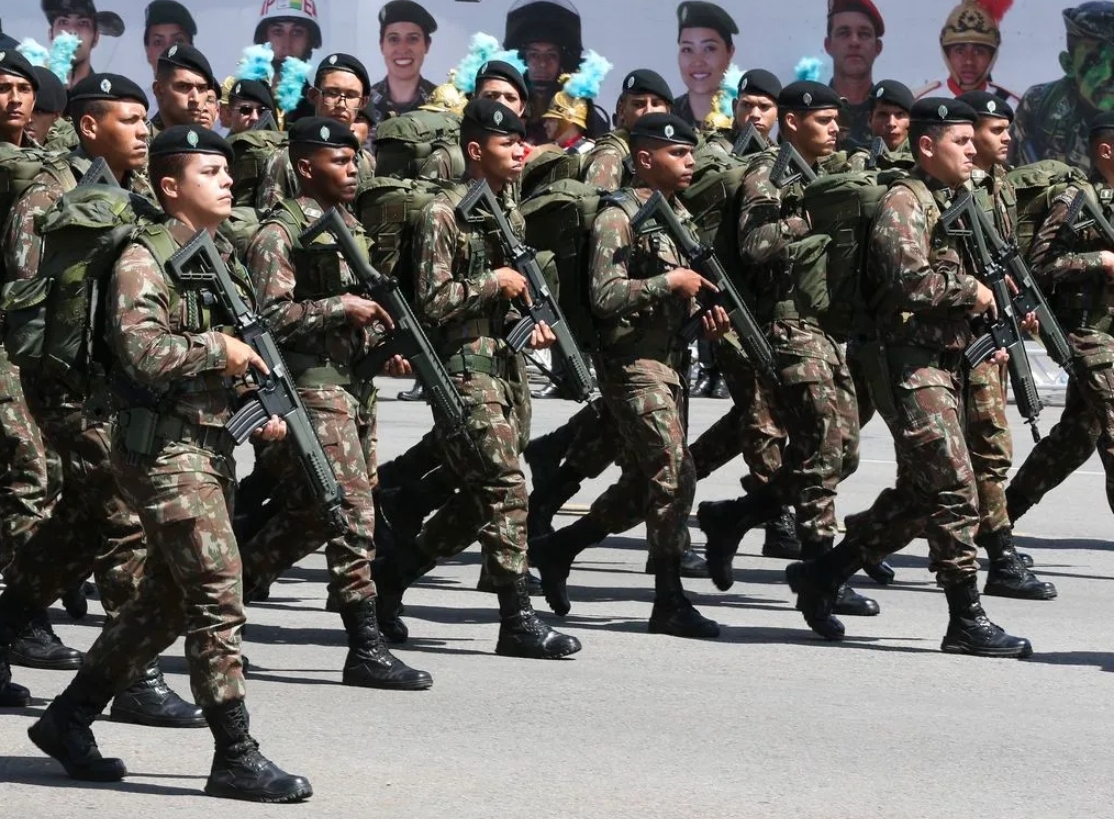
(934, 130)
(1102, 136)
(94, 108)
(472, 132)
(166, 165)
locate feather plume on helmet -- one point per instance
(572, 103)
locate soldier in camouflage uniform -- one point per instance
(173, 460)
(923, 325)
(814, 394)
(183, 79)
(340, 91)
(465, 290)
(643, 92)
(1053, 117)
(641, 295)
(1078, 267)
(324, 331)
(91, 527)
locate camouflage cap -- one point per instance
(1091, 21)
(189, 139)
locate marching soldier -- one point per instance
(643, 92)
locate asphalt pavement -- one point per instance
(767, 721)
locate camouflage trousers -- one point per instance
(855, 354)
(191, 580)
(30, 473)
(596, 442)
(92, 527)
(491, 504)
(658, 480)
(989, 442)
(935, 495)
(815, 400)
(347, 428)
(1087, 423)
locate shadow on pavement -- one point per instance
(37, 770)
(1105, 660)
(1028, 544)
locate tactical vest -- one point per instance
(618, 140)
(1087, 304)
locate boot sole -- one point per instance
(118, 772)
(140, 718)
(997, 592)
(998, 654)
(298, 795)
(24, 661)
(559, 655)
(418, 685)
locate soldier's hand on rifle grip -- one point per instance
(512, 284)
(542, 337)
(687, 283)
(363, 312)
(1000, 357)
(239, 356)
(276, 429)
(984, 300)
(1030, 324)
(716, 323)
(397, 367)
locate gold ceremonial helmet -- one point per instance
(716, 120)
(972, 22)
(446, 97)
(568, 108)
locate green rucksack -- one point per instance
(18, 168)
(55, 321)
(241, 228)
(61, 138)
(549, 165)
(1035, 188)
(251, 152)
(406, 144)
(829, 264)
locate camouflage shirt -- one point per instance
(606, 162)
(926, 293)
(278, 181)
(1050, 123)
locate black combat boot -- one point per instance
(692, 565)
(673, 613)
(971, 632)
(726, 522)
(816, 584)
(37, 646)
(150, 701)
(240, 770)
(11, 694)
(881, 573)
(486, 585)
(414, 394)
(548, 496)
(781, 539)
(394, 573)
(545, 452)
(847, 601)
(525, 635)
(1007, 575)
(63, 731)
(75, 602)
(370, 664)
(702, 384)
(554, 554)
(719, 387)
(550, 390)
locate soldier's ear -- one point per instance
(1065, 59)
(474, 151)
(925, 145)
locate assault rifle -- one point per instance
(702, 259)
(407, 337)
(543, 306)
(1084, 202)
(99, 173)
(265, 122)
(787, 155)
(877, 149)
(749, 142)
(1002, 331)
(199, 262)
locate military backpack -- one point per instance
(1036, 187)
(408, 146)
(251, 151)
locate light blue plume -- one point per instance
(293, 75)
(810, 68)
(63, 49)
(256, 64)
(35, 53)
(513, 58)
(728, 90)
(483, 48)
(587, 81)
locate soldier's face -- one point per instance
(289, 40)
(852, 44)
(814, 133)
(120, 135)
(891, 122)
(504, 92)
(210, 110)
(243, 114)
(950, 158)
(703, 57)
(339, 96)
(970, 63)
(635, 106)
(1092, 67)
(84, 27)
(361, 128)
(992, 141)
(202, 192)
(665, 165)
(182, 97)
(17, 99)
(160, 38)
(757, 110)
(543, 61)
(41, 123)
(500, 156)
(404, 46)
(333, 172)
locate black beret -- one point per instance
(646, 81)
(862, 7)
(108, 23)
(344, 62)
(253, 90)
(169, 12)
(189, 139)
(986, 104)
(6, 42)
(369, 113)
(664, 127)
(111, 87)
(12, 62)
(806, 95)
(942, 110)
(698, 14)
(492, 116)
(759, 81)
(406, 11)
(500, 70)
(893, 92)
(322, 131)
(1101, 123)
(184, 55)
(51, 96)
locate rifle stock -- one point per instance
(749, 138)
(99, 173)
(787, 155)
